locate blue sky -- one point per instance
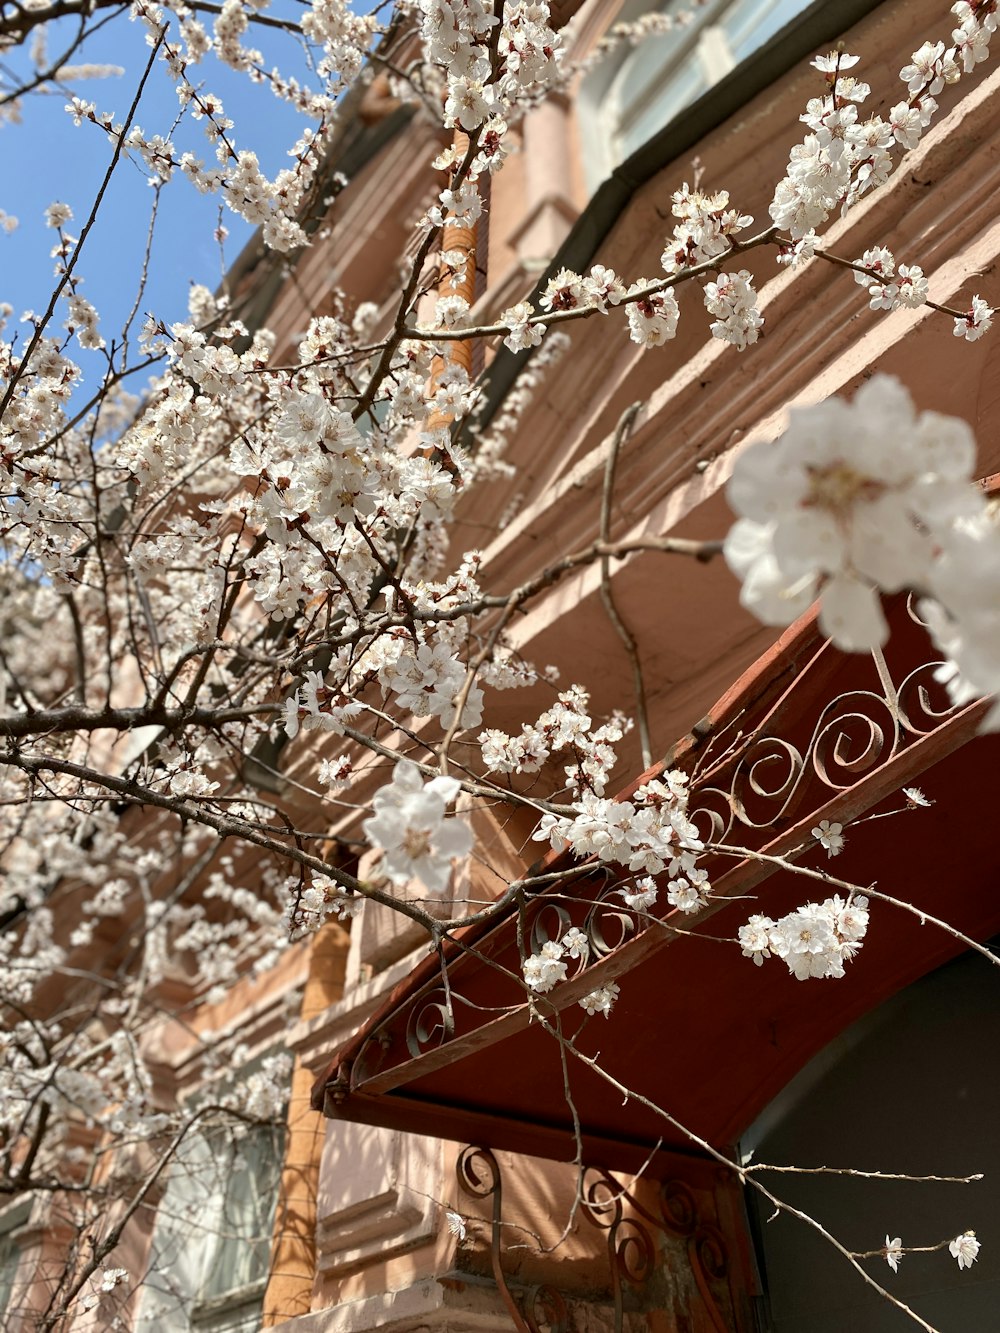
(47, 158)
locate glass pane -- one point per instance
(244, 1231)
(9, 1257)
(665, 74)
(672, 97)
(185, 1224)
(211, 1245)
(750, 23)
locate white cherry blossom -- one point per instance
(965, 1249)
(830, 836)
(601, 1001)
(410, 828)
(816, 940)
(853, 498)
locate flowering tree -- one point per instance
(254, 556)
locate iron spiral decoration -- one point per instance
(631, 1249)
(543, 1310)
(706, 1247)
(431, 1022)
(630, 1231)
(855, 734)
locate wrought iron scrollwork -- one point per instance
(854, 734)
(545, 1308)
(706, 1247)
(479, 1175)
(550, 920)
(430, 1023)
(608, 925)
(759, 780)
(631, 1250)
(631, 1246)
(915, 699)
(630, 1237)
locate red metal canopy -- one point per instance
(700, 1038)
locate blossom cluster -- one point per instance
(273, 205)
(844, 156)
(815, 940)
(889, 288)
(548, 965)
(427, 680)
(649, 834)
(733, 302)
(602, 1000)
(566, 726)
(705, 222)
(652, 317)
(311, 905)
(490, 79)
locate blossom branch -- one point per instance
(824, 876)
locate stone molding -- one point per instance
(377, 1196)
(444, 1305)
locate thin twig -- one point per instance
(861, 1175)
(41, 324)
(622, 432)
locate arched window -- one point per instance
(636, 91)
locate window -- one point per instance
(10, 1252)
(637, 91)
(235, 1273)
(211, 1244)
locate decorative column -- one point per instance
(549, 209)
(293, 1246)
(460, 238)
